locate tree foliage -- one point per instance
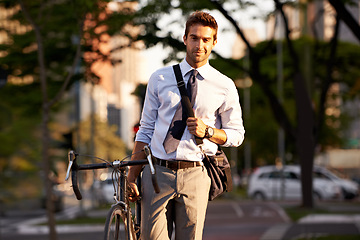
(19, 148)
(158, 29)
(48, 45)
(56, 42)
(64, 26)
(311, 68)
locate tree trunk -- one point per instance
(305, 144)
(50, 208)
(49, 195)
(346, 16)
(305, 139)
(46, 106)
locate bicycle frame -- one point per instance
(121, 187)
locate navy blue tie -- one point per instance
(178, 123)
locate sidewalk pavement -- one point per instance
(311, 226)
(315, 225)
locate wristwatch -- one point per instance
(209, 132)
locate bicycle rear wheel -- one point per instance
(116, 224)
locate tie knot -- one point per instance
(193, 76)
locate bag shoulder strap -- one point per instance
(180, 81)
(184, 97)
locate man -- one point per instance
(183, 180)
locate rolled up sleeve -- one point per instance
(149, 113)
(231, 119)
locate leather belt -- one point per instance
(177, 164)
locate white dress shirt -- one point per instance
(217, 105)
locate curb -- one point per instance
(276, 232)
(315, 225)
(43, 230)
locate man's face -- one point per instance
(199, 44)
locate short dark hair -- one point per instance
(202, 18)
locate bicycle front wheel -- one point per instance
(116, 224)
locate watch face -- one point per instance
(210, 131)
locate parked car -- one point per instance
(269, 183)
(349, 189)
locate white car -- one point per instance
(270, 183)
(349, 189)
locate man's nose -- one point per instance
(199, 43)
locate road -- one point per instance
(226, 219)
(241, 219)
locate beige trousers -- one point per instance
(182, 202)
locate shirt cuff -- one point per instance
(233, 138)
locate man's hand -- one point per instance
(134, 171)
(196, 126)
(134, 193)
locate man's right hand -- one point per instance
(134, 193)
(134, 171)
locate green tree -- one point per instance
(19, 148)
(45, 51)
(303, 121)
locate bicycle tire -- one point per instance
(116, 224)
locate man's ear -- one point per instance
(215, 42)
(184, 39)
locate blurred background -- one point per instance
(73, 75)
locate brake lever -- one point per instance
(71, 158)
(152, 169)
(148, 156)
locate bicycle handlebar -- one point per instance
(75, 185)
(74, 168)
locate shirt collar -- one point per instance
(186, 68)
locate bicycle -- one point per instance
(119, 224)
